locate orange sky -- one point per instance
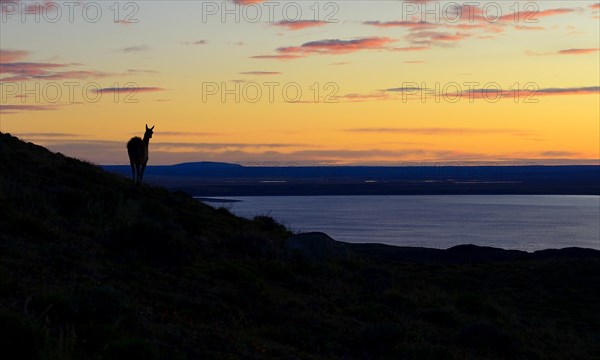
(284, 83)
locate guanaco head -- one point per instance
(149, 132)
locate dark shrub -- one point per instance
(18, 337)
(132, 348)
(151, 244)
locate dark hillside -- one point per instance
(93, 268)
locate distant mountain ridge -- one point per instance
(226, 179)
(206, 164)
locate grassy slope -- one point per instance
(91, 268)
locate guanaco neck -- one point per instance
(146, 140)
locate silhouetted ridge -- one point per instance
(92, 267)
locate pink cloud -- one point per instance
(578, 51)
(29, 68)
(15, 70)
(7, 55)
(472, 23)
(435, 37)
(336, 46)
(13, 109)
(23, 71)
(473, 13)
(589, 90)
(329, 47)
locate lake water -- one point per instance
(527, 222)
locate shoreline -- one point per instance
(216, 200)
(465, 253)
(401, 230)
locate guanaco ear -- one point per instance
(152, 128)
(146, 126)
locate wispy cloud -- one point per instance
(127, 90)
(13, 109)
(472, 23)
(23, 70)
(406, 89)
(570, 91)
(531, 93)
(578, 51)
(563, 52)
(197, 42)
(355, 97)
(180, 146)
(7, 55)
(277, 57)
(39, 72)
(134, 49)
(47, 135)
(496, 93)
(439, 131)
(557, 153)
(329, 47)
(337, 46)
(15, 70)
(436, 37)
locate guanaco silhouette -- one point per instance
(138, 155)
